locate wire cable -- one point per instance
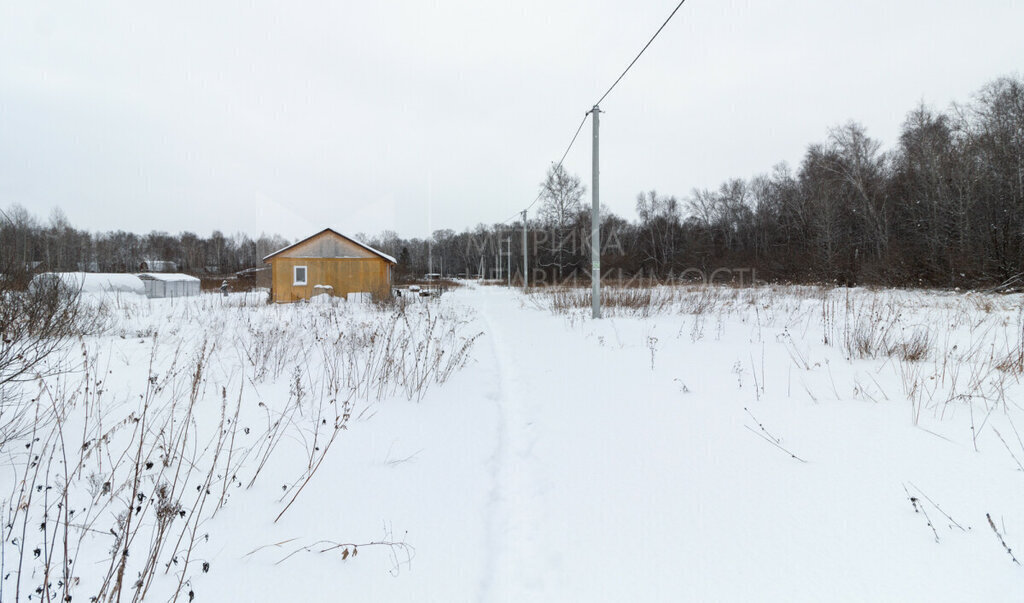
(558, 165)
(674, 11)
(599, 101)
(564, 155)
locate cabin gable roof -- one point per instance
(329, 243)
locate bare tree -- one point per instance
(560, 196)
(661, 228)
(857, 159)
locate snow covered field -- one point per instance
(722, 444)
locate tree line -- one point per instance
(943, 207)
(29, 245)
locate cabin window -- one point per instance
(300, 275)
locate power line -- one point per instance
(566, 153)
(559, 164)
(676, 9)
(603, 96)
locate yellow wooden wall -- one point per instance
(346, 275)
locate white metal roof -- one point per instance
(168, 276)
(97, 282)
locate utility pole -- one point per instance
(525, 266)
(595, 224)
(508, 241)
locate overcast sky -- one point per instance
(413, 115)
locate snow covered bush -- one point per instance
(184, 407)
(37, 326)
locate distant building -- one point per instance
(329, 262)
(158, 266)
(163, 284)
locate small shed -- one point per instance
(169, 284)
(329, 262)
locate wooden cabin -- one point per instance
(331, 263)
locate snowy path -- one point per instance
(572, 504)
(577, 497)
(498, 507)
(515, 486)
(518, 496)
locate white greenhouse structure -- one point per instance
(94, 282)
(169, 284)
